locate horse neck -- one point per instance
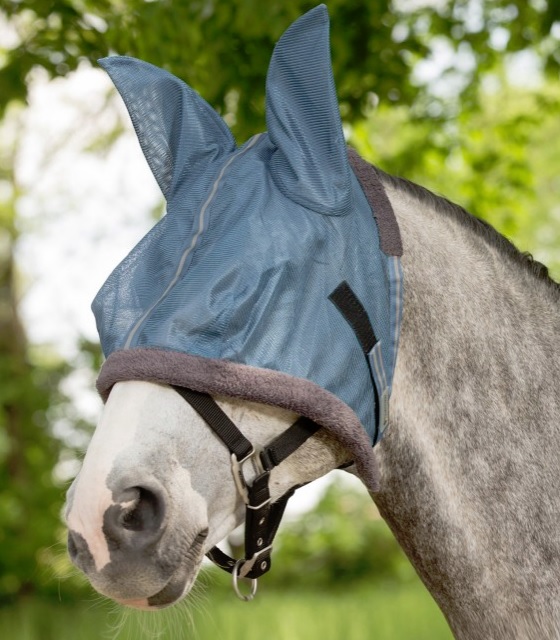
(469, 465)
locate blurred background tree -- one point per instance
(28, 497)
(339, 543)
(222, 48)
(425, 90)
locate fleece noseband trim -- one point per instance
(221, 377)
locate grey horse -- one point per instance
(465, 473)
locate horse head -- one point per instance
(156, 491)
(254, 289)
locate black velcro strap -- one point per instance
(223, 427)
(352, 310)
(355, 315)
(288, 442)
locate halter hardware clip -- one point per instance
(238, 476)
(246, 597)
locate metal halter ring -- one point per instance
(235, 575)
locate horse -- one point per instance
(465, 469)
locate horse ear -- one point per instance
(180, 134)
(310, 163)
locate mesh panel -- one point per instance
(256, 238)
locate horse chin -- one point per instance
(134, 591)
(178, 585)
(175, 590)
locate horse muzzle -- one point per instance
(136, 552)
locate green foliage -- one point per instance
(30, 500)
(200, 38)
(222, 48)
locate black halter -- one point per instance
(262, 516)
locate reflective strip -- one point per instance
(188, 251)
(376, 360)
(396, 293)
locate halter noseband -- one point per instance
(262, 516)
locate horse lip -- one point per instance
(176, 587)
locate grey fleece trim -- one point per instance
(389, 233)
(252, 383)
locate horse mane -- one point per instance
(482, 228)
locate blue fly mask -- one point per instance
(275, 274)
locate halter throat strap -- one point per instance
(262, 516)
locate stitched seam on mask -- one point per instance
(189, 250)
(396, 284)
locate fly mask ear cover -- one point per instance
(248, 286)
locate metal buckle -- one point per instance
(247, 565)
(246, 597)
(238, 477)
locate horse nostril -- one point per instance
(136, 518)
(146, 511)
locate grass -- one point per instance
(379, 613)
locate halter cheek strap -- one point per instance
(262, 516)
